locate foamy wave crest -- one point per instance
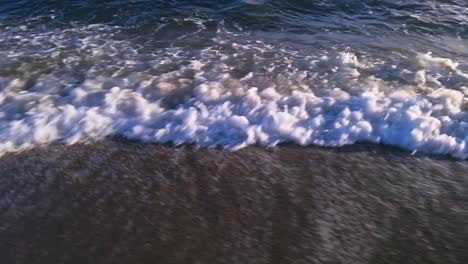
(232, 95)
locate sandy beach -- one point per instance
(234, 131)
(117, 201)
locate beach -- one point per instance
(116, 201)
(234, 131)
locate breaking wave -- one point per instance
(204, 81)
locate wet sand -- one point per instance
(123, 202)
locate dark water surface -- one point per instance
(380, 25)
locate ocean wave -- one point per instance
(231, 94)
(230, 74)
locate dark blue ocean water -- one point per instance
(441, 26)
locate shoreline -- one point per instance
(117, 201)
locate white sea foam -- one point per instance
(253, 93)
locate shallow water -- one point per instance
(235, 73)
